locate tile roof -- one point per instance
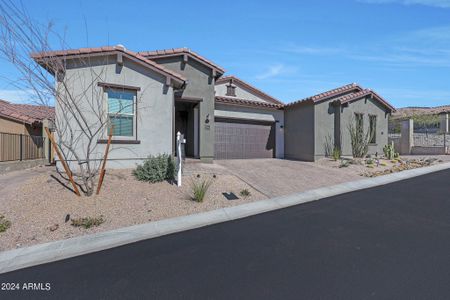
(26, 113)
(179, 51)
(250, 87)
(106, 50)
(329, 94)
(245, 102)
(364, 93)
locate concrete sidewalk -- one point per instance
(58, 250)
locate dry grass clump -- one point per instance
(88, 222)
(4, 223)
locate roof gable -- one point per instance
(363, 94)
(182, 51)
(249, 88)
(344, 94)
(328, 94)
(43, 57)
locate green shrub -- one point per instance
(156, 169)
(370, 161)
(87, 222)
(4, 223)
(344, 163)
(336, 154)
(199, 188)
(245, 193)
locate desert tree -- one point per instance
(359, 138)
(81, 119)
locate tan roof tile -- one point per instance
(178, 51)
(328, 94)
(87, 51)
(245, 102)
(25, 112)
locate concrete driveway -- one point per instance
(276, 177)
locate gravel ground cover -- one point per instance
(376, 167)
(36, 202)
(38, 207)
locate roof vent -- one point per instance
(120, 47)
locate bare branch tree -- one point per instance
(81, 119)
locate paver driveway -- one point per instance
(276, 177)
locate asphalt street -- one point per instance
(388, 242)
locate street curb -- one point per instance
(53, 251)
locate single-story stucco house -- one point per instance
(317, 124)
(221, 117)
(170, 91)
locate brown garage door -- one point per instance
(243, 139)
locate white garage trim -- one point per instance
(243, 115)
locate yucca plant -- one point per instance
(199, 188)
(336, 154)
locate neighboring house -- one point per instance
(317, 124)
(23, 118)
(21, 134)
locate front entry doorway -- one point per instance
(186, 122)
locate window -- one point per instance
(231, 90)
(359, 122)
(373, 129)
(121, 112)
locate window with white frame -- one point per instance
(121, 112)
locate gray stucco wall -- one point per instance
(200, 85)
(367, 107)
(221, 90)
(311, 129)
(324, 115)
(154, 108)
(299, 132)
(278, 115)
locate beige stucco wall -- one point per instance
(16, 127)
(10, 126)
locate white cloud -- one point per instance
(276, 70)
(416, 97)
(433, 3)
(16, 96)
(312, 50)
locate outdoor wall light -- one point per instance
(207, 119)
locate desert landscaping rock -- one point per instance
(37, 207)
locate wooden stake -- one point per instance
(102, 171)
(66, 167)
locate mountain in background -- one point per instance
(406, 112)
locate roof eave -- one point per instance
(179, 80)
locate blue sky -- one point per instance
(289, 49)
